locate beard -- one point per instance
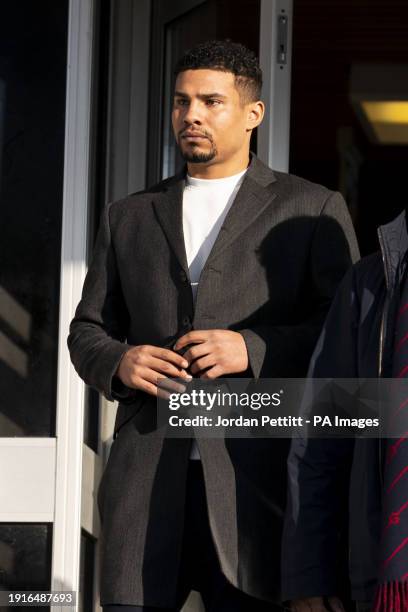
(193, 154)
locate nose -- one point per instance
(192, 115)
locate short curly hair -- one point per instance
(226, 56)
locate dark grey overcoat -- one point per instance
(271, 275)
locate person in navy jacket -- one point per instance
(363, 337)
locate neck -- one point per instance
(215, 169)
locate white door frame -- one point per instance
(274, 132)
(70, 389)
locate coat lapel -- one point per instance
(168, 205)
(249, 203)
(252, 198)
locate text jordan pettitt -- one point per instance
(265, 420)
(235, 421)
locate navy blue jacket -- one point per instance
(335, 486)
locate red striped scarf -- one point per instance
(392, 592)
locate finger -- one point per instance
(191, 337)
(336, 604)
(163, 394)
(146, 386)
(168, 384)
(212, 373)
(170, 356)
(164, 367)
(203, 363)
(196, 351)
(151, 388)
(150, 376)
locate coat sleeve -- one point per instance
(97, 333)
(319, 469)
(285, 350)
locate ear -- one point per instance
(256, 111)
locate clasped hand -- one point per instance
(210, 354)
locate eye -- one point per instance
(212, 102)
(181, 102)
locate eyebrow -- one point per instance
(180, 94)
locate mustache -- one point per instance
(203, 133)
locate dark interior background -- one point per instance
(33, 63)
(328, 37)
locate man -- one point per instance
(235, 266)
(365, 336)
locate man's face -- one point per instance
(210, 122)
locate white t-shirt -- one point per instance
(206, 203)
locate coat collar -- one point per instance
(252, 198)
(393, 239)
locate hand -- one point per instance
(142, 367)
(216, 352)
(316, 604)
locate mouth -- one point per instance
(192, 136)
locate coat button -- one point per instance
(183, 276)
(186, 320)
